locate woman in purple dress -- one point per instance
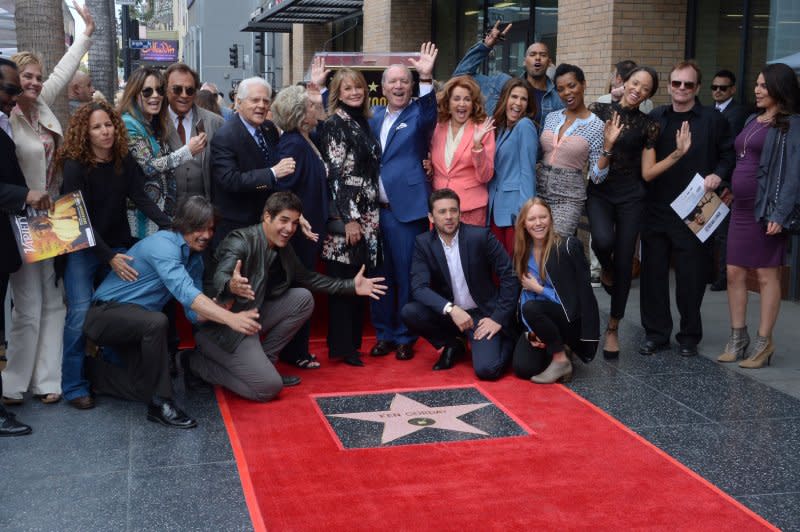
(765, 186)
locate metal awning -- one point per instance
(279, 15)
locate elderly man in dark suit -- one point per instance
(244, 160)
(14, 196)
(454, 297)
(193, 178)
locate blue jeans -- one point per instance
(83, 268)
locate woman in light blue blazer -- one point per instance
(517, 145)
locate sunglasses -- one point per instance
(720, 87)
(11, 90)
(148, 91)
(686, 84)
(178, 89)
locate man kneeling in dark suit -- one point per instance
(454, 297)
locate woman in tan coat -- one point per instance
(37, 322)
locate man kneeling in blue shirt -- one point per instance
(126, 315)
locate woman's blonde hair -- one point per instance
(289, 108)
(342, 75)
(523, 242)
(25, 59)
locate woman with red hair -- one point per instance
(462, 148)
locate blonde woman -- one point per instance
(37, 323)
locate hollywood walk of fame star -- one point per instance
(406, 416)
(373, 87)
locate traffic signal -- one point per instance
(258, 43)
(233, 54)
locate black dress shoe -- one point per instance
(404, 352)
(720, 285)
(382, 348)
(168, 413)
(290, 380)
(688, 350)
(450, 354)
(651, 347)
(9, 426)
(353, 359)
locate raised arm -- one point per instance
(62, 73)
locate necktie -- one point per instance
(262, 144)
(181, 130)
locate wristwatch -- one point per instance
(448, 308)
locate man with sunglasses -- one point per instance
(723, 88)
(186, 120)
(664, 235)
(14, 197)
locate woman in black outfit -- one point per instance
(353, 156)
(557, 304)
(96, 161)
(615, 206)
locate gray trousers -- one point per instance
(249, 370)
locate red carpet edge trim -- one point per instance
(241, 464)
(674, 461)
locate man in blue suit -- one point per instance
(404, 129)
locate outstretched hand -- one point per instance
(308, 232)
(683, 138)
(495, 35)
(318, 72)
(239, 285)
(427, 58)
(369, 287)
(481, 131)
(612, 131)
(88, 20)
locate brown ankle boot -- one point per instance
(735, 348)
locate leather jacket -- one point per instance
(250, 245)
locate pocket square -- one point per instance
(401, 126)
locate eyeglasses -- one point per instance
(11, 90)
(686, 84)
(148, 91)
(720, 87)
(178, 89)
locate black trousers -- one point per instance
(308, 253)
(664, 242)
(489, 357)
(345, 314)
(548, 321)
(140, 337)
(614, 228)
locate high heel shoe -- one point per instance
(611, 355)
(736, 346)
(760, 353)
(555, 372)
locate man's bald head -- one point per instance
(80, 88)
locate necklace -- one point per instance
(747, 138)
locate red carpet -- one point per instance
(578, 469)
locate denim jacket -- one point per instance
(492, 85)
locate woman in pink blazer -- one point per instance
(462, 148)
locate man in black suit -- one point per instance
(453, 294)
(723, 87)
(14, 196)
(244, 160)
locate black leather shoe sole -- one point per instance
(188, 424)
(651, 348)
(688, 351)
